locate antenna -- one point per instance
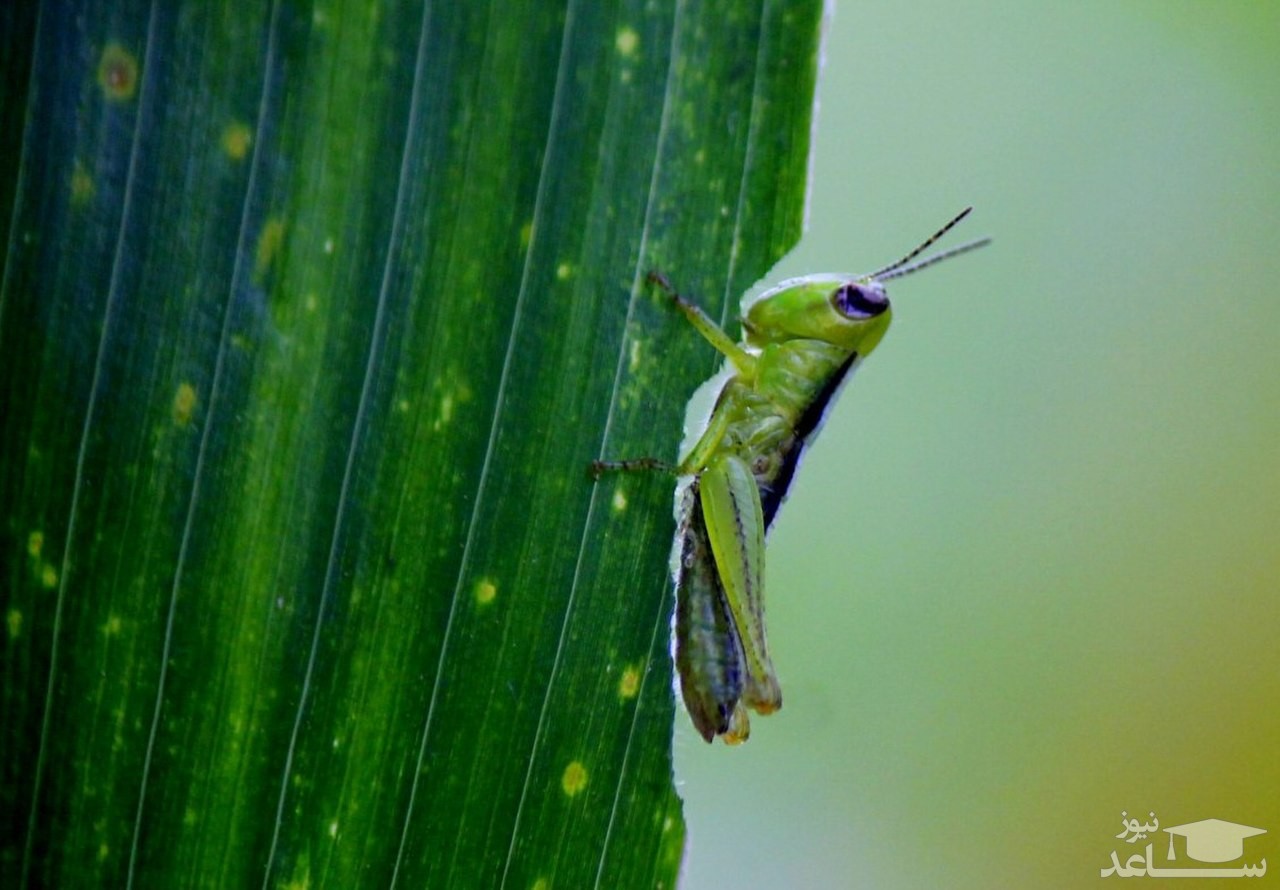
(936, 258)
(904, 266)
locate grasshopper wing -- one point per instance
(708, 651)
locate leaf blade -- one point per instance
(339, 601)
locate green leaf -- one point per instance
(310, 323)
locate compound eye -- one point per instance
(860, 300)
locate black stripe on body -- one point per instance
(774, 492)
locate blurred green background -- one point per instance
(1029, 575)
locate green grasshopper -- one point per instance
(801, 341)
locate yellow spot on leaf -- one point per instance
(35, 544)
(236, 139)
(540, 884)
(49, 576)
(526, 235)
(486, 591)
(619, 501)
(574, 778)
(633, 356)
(333, 829)
(13, 621)
(564, 271)
(82, 187)
(103, 852)
(184, 404)
(270, 243)
(629, 685)
(112, 626)
(118, 73)
(626, 41)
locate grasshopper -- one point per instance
(801, 342)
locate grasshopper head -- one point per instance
(852, 313)
(848, 311)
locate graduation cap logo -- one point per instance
(1213, 840)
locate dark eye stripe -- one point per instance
(860, 301)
